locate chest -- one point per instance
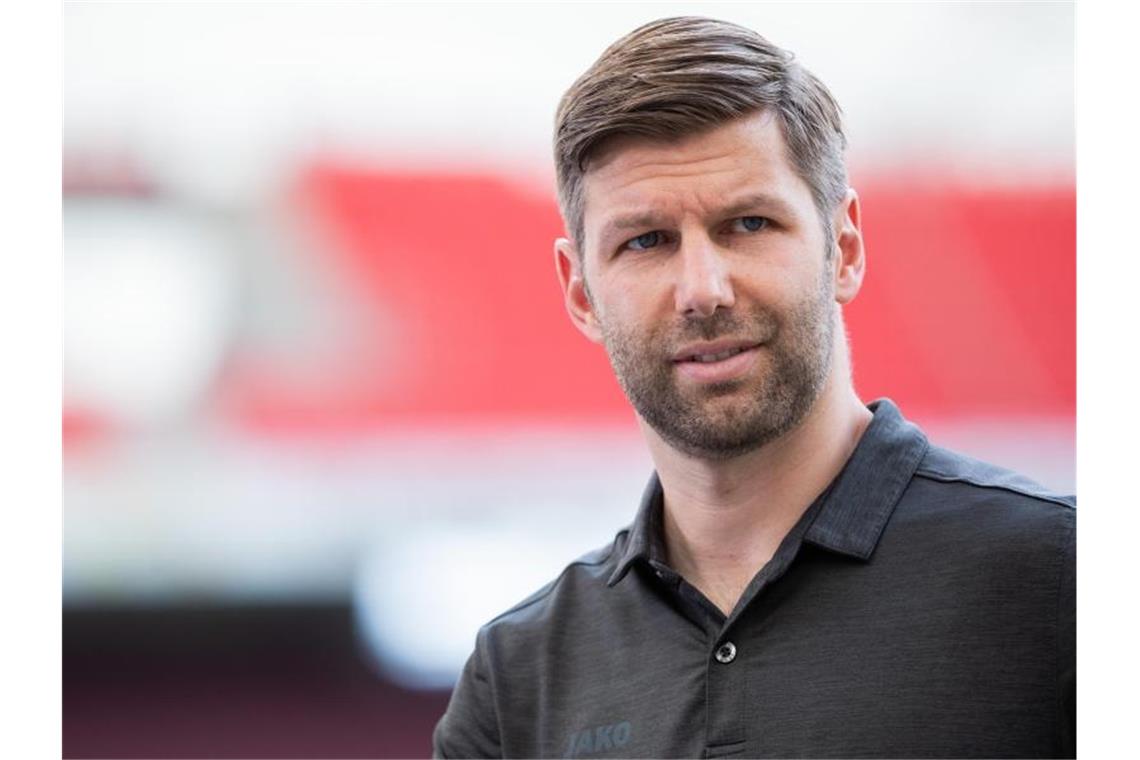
(809, 666)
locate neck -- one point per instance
(724, 519)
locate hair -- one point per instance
(678, 77)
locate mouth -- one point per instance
(716, 362)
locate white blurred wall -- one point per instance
(216, 95)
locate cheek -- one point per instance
(788, 281)
(615, 300)
(616, 319)
(628, 331)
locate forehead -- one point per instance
(639, 175)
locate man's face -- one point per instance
(705, 275)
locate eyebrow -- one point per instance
(632, 221)
(761, 201)
(649, 219)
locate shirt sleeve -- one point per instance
(1067, 645)
(470, 727)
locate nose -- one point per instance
(704, 282)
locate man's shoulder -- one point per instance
(988, 481)
(578, 586)
(987, 495)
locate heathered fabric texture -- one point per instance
(922, 607)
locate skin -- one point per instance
(744, 459)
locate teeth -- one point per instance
(706, 358)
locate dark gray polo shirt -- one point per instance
(923, 606)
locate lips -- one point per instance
(717, 361)
(709, 358)
(713, 351)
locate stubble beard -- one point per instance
(720, 421)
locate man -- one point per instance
(806, 575)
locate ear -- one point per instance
(568, 264)
(850, 260)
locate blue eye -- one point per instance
(753, 223)
(644, 241)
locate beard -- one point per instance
(720, 421)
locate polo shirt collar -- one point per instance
(645, 539)
(855, 508)
(859, 502)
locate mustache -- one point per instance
(759, 326)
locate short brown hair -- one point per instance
(677, 77)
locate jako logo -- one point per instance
(598, 739)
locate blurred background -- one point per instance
(324, 414)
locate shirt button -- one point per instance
(726, 652)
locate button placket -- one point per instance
(728, 705)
